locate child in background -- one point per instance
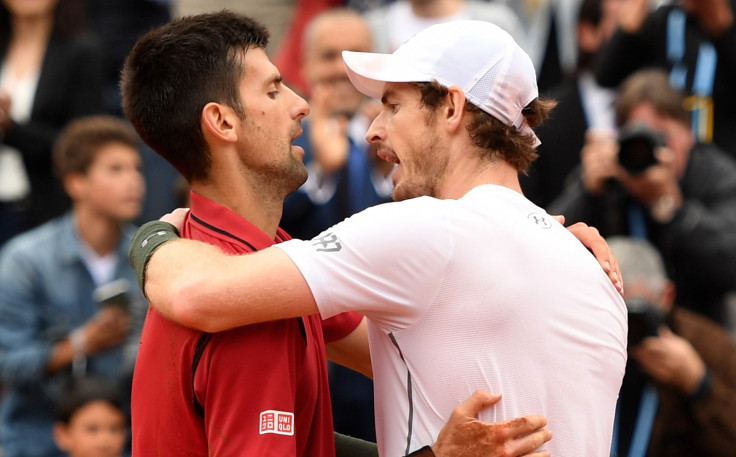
(91, 421)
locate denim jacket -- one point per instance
(45, 293)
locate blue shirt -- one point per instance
(326, 199)
(45, 293)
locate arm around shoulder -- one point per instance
(199, 286)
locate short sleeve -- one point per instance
(338, 327)
(386, 262)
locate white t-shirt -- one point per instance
(14, 182)
(485, 292)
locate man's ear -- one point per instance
(219, 121)
(61, 436)
(74, 185)
(667, 300)
(588, 37)
(455, 107)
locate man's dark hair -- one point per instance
(591, 12)
(175, 70)
(83, 391)
(78, 144)
(650, 86)
(498, 139)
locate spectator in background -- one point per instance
(678, 397)
(693, 40)
(393, 24)
(582, 105)
(236, 135)
(550, 32)
(49, 74)
(417, 268)
(289, 56)
(119, 23)
(677, 192)
(91, 420)
(52, 326)
(344, 174)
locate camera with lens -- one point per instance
(637, 144)
(644, 320)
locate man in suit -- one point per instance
(679, 390)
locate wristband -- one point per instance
(664, 209)
(704, 387)
(78, 342)
(151, 236)
(426, 451)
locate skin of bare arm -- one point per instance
(177, 286)
(220, 300)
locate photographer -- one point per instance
(681, 197)
(695, 42)
(680, 368)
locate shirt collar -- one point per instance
(220, 219)
(70, 249)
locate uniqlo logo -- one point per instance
(278, 422)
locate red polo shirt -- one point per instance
(258, 390)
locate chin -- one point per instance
(127, 215)
(398, 195)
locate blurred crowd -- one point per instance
(641, 145)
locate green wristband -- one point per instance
(348, 446)
(149, 237)
(426, 451)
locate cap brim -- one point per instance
(370, 71)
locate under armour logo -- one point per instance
(327, 243)
(159, 233)
(541, 220)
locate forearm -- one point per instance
(197, 285)
(61, 356)
(26, 364)
(184, 282)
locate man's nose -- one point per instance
(376, 131)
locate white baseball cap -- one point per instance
(477, 56)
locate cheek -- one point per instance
(117, 439)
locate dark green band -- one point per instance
(426, 451)
(348, 446)
(151, 236)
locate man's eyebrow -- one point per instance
(275, 79)
(388, 93)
